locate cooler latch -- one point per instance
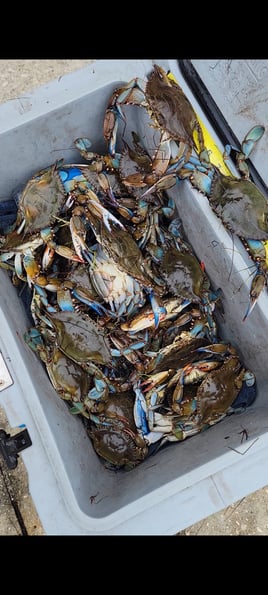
(11, 446)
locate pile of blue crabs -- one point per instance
(123, 312)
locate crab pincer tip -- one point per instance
(249, 309)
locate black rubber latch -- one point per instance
(10, 446)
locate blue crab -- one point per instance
(114, 434)
(122, 292)
(240, 204)
(115, 286)
(82, 384)
(195, 397)
(170, 111)
(118, 244)
(97, 163)
(86, 342)
(44, 199)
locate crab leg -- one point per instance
(257, 286)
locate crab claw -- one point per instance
(158, 311)
(99, 390)
(163, 183)
(250, 139)
(217, 349)
(78, 234)
(140, 411)
(247, 147)
(154, 380)
(83, 144)
(106, 216)
(257, 286)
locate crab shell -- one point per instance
(170, 107)
(80, 338)
(70, 381)
(218, 390)
(41, 200)
(241, 206)
(117, 440)
(183, 274)
(177, 354)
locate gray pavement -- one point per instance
(248, 516)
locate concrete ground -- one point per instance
(248, 516)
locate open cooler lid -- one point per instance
(234, 97)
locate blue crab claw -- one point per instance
(158, 311)
(201, 163)
(259, 249)
(78, 234)
(128, 350)
(200, 180)
(140, 411)
(250, 139)
(77, 408)
(140, 416)
(107, 188)
(132, 93)
(249, 309)
(34, 339)
(257, 286)
(70, 177)
(112, 141)
(164, 183)
(99, 390)
(106, 215)
(155, 380)
(83, 145)
(96, 306)
(169, 210)
(216, 349)
(247, 394)
(247, 145)
(64, 300)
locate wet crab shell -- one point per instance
(219, 390)
(170, 107)
(183, 274)
(177, 354)
(41, 200)
(122, 248)
(69, 380)
(80, 338)
(241, 206)
(115, 438)
(117, 447)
